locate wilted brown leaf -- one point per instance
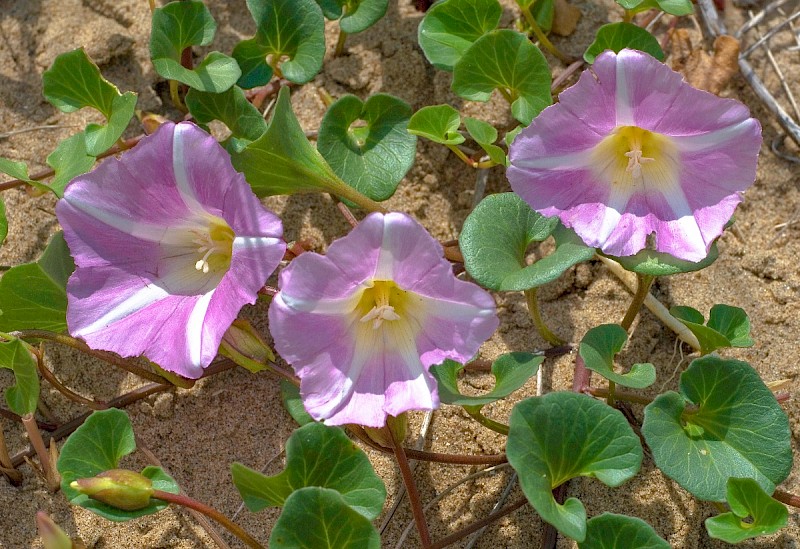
(710, 72)
(565, 18)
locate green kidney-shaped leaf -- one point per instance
(367, 144)
(610, 531)
(563, 435)
(452, 26)
(650, 262)
(290, 395)
(673, 7)
(98, 445)
(496, 235)
(70, 159)
(439, 123)
(747, 499)
(506, 60)
(316, 455)
(485, 135)
(319, 518)
(291, 33)
(598, 348)
(724, 423)
(727, 327)
(182, 24)
(23, 396)
(231, 108)
(75, 82)
(354, 15)
(33, 295)
(617, 36)
(511, 371)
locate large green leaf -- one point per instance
(23, 396)
(724, 423)
(511, 371)
(75, 82)
(506, 60)
(617, 36)
(291, 33)
(598, 348)
(182, 24)
(439, 123)
(610, 531)
(70, 159)
(98, 445)
(496, 236)
(354, 15)
(452, 26)
(33, 295)
(727, 326)
(319, 518)
(366, 143)
(563, 435)
(316, 455)
(652, 263)
(747, 499)
(231, 108)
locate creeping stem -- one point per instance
(536, 316)
(542, 38)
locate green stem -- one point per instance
(460, 154)
(475, 413)
(340, 43)
(536, 316)
(537, 30)
(486, 164)
(210, 512)
(175, 96)
(343, 190)
(627, 17)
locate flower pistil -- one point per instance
(385, 297)
(216, 245)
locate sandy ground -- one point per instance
(237, 416)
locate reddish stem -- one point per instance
(787, 498)
(411, 488)
(477, 525)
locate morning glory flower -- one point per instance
(362, 324)
(632, 150)
(169, 243)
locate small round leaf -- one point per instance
(598, 348)
(354, 15)
(617, 36)
(439, 123)
(747, 499)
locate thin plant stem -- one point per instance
(340, 43)
(619, 395)
(411, 488)
(477, 525)
(43, 425)
(348, 215)
(496, 426)
(61, 388)
(48, 467)
(175, 96)
(7, 464)
(642, 291)
(460, 154)
(536, 316)
(542, 38)
(210, 512)
(787, 498)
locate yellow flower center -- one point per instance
(384, 300)
(215, 246)
(631, 156)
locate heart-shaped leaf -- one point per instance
(598, 348)
(507, 61)
(319, 518)
(511, 371)
(290, 395)
(450, 27)
(610, 531)
(23, 396)
(231, 108)
(367, 144)
(747, 499)
(652, 263)
(291, 33)
(439, 123)
(485, 135)
(673, 7)
(496, 235)
(75, 82)
(354, 15)
(70, 159)
(316, 455)
(563, 435)
(727, 327)
(33, 295)
(98, 445)
(617, 36)
(179, 25)
(724, 423)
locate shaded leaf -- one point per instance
(19, 170)
(610, 531)
(650, 262)
(724, 423)
(496, 236)
(69, 160)
(439, 123)
(290, 395)
(367, 144)
(727, 327)
(508, 61)
(598, 348)
(23, 396)
(747, 499)
(673, 7)
(354, 15)
(560, 436)
(485, 135)
(617, 36)
(231, 108)
(450, 27)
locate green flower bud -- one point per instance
(398, 426)
(243, 345)
(53, 537)
(120, 488)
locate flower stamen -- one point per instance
(382, 310)
(216, 241)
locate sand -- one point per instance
(237, 416)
